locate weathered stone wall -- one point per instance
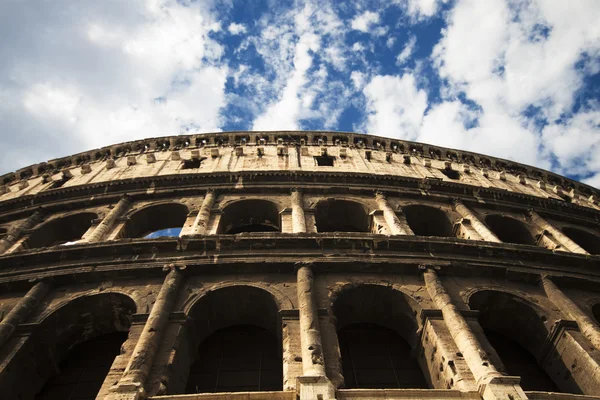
(282, 270)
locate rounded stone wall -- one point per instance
(283, 265)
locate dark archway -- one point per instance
(160, 220)
(61, 230)
(250, 216)
(376, 357)
(587, 240)
(428, 221)
(84, 370)
(341, 216)
(509, 230)
(238, 321)
(517, 334)
(80, 339)
(240, 358)
(377, 331)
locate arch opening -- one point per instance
(160, 220)
(83, 371)
(428, 221)
(589, 241)
(341, 216)
(516, 333)
(237, 336)
(240, 358)
(81, 338)
(509, 230)
(247, 216)
(61, 231)
(377, 331)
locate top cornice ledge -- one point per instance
(421, 151)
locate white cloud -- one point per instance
(395, 106)
(236, 29)
(407, 51)
(87, 76)
(358, 79)
(365, 21)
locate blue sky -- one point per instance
(515, 79)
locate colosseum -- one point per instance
(296, 265)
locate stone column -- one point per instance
(314, 383)
(109, 220)
(298, 218)
(560, 237)
(587, 326)
(15, 233)
(479, 227)
(395, 225)
(492, 384)
(131, 384)
(203, 218)
(22, 309)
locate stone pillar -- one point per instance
(109, 220)
(314, 382)
(560, 237)
(492, 384)
(395, 225)
(21, 311)
(15, 233)
(203, 218)
(479, 227)
(131, 384)
(587, 326)
(298, 218)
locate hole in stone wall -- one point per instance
(156, 221)
(451, 173)
(60, 183)
(325, 161)
(83, 371)
(341, 216)
(250, 216)
(509, 230)
(239, 358)
(428, 221)
(596, 311)
(61, 230)
(589, 241)
(191, 164)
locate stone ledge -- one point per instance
(558, 396)
(392, 394)
(289, 395)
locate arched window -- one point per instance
(70, 353)
(589, 241)
(160, 220)
(250, 216)
(517, 333)
(341, 216)
(238, 337)
(428, 221)
(376, 332)
(509, 230)
(63, 230)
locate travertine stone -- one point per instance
(203, 218)
(140, 364)
(108, 222)
(298, 218)
(560, 237)
(23, 308)
(479, 227)
(395, 225)
(589, 328)
(15, 234)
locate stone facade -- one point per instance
(296, 265)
